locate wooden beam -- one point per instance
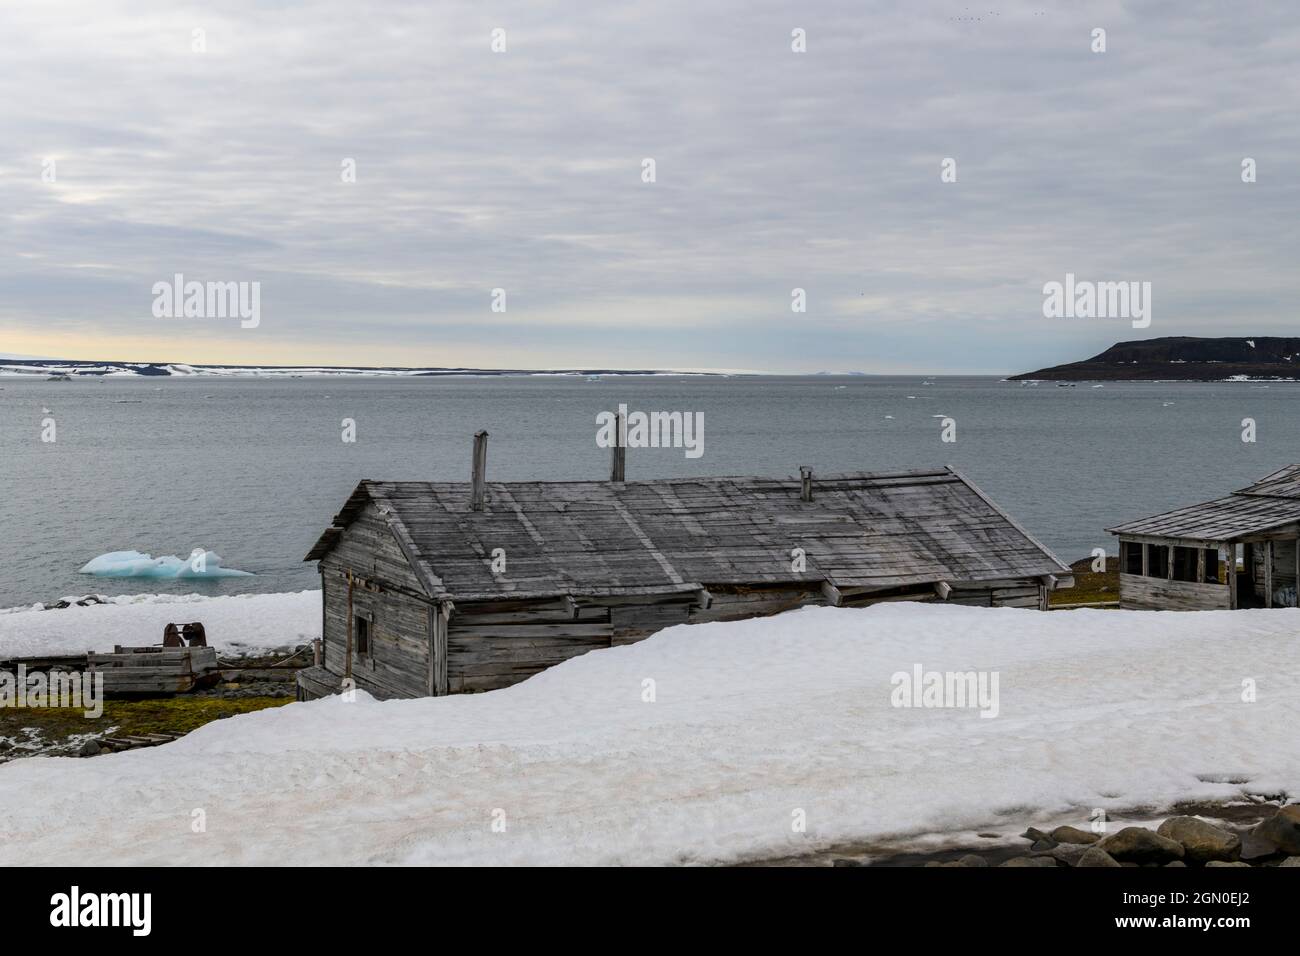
(348, 661)
(832, 593)
(440, 618)
(478, 477)
(1230, 554)
(1200, 565)
(943, 589)
(1146, 559)
(1268, 573)
(618, 457)
(1169, 561)
(805, 483)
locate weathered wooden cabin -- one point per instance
(433, 588)
(1233, 552)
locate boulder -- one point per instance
(1281, 830)
(970, 859)
(1067, 853)
(1067, 834)
(1140, 845)
(1290, 861)
(1095, 856)
(1035, 834)
(1226, 863)
(1202, 842)
(1029, 861)
(1176, 863)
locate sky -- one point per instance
(134, 149)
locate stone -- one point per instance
(1140, 845)
(1067, 853)
(1095, 856)
(971, 859)
(1029, 861)
(1042, 846)
(1290, 861)
(1282, 830)
(1225, 863)
(1067, 834)
(1202, 841)
(845, 861)
(1035, 834)
(1176, 863)
(88, 748)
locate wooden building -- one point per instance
(433, 588)
(1233, 552)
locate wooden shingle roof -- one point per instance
(862, 530)
(1271, 502)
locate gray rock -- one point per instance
(1176, 863)
(1202, 841)
(1042, 846)
(1140, 845)
(1035, 834)
(1226, 863)
(971, 859)
(1067, 853)
(1282, 830)
(89, 748)
(1095, 856)
(845, 861)
(1029, 861)
(1066, 834)
(1290, 861)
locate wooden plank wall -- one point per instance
(1161, 594)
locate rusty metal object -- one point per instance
(191, 634)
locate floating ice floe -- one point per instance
(136, 564)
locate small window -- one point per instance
(1185, 568)
(1132, 557)
(1157, 561)
(361, 636)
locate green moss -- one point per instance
(55, 726)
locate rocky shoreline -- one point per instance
(1257, 833)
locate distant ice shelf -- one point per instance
(136, 564)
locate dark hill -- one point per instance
(1182, 358)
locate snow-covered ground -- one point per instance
(243, 624)
(752, 725)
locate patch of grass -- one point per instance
(56, 726)
(1090, 586)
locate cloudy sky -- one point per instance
(522, 170)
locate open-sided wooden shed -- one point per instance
(446, 587)
(1234, 552)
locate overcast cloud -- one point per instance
(522, 170)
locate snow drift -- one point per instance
(750, 724)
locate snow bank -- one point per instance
(246, 623)
(751, 723)
(135, 564)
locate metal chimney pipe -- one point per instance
(478, 491)
(618, 461)
(805, 492)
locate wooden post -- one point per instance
(1169, 562)
(1297, 572)
(1200, 564)
(348, 664)
(618, 460)
(315, 652)
(1146, 559)
(1230, 554)
(1268, 573)
(440, 619)
(479, 473)
(805, 489)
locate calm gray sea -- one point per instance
(255, 468)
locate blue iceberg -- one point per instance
(135, 564)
